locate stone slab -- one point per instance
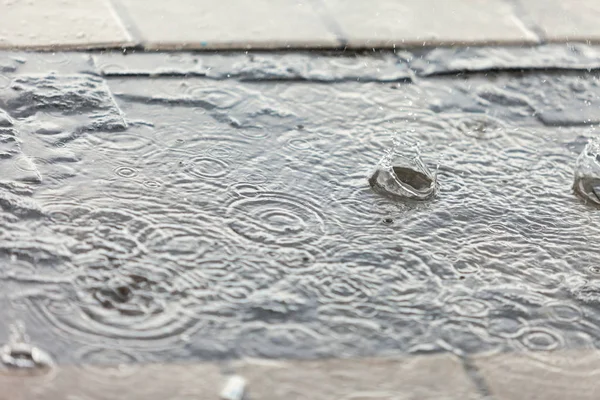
(132, 382)
(411, 378)
(207, 24)
(561, 375)
(558, 20)
(390, 23)
(60, 24)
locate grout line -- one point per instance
(124, 17)
(329, 20)
(477, 378)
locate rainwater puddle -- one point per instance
(159, 218)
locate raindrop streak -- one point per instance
(587, 173)
(401, 173)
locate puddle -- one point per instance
(168, 218)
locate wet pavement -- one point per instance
(194, 207)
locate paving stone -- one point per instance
(388, 23)
(132, 382)
(421, 377)
(256, 66)
(60, 24)
(444, 61)
(209, 24)
(573, 375)
(560, 20)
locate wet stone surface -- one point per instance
(169, 218)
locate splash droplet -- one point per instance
(401, 173)
(19, 353)
(587, 173)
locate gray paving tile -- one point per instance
(573, 375)
(421, 377)
(60, 24)
(444, 60)
(254, 67)
(388, 23)
(149, 382)
(560, 20)
(209, 24)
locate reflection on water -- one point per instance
(179, 218)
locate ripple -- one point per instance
(343, 285)
(540, 339)
(122, 142)
(470, 307)
(362, 207)
(276, 218)
(221, 98)
(180, 242)
(565, 312)
(296, 260)
(299, 144)
(207, 168)
(481, 127)
(95, 358)
(126, 172)
(124, 189)
(152, 184)
(466, 267)
(137, 309)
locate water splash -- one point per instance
(401, 173)
(587, 173)
(20, 353)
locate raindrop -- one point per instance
(401, 173)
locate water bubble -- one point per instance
(587, 173)
(401, 173)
